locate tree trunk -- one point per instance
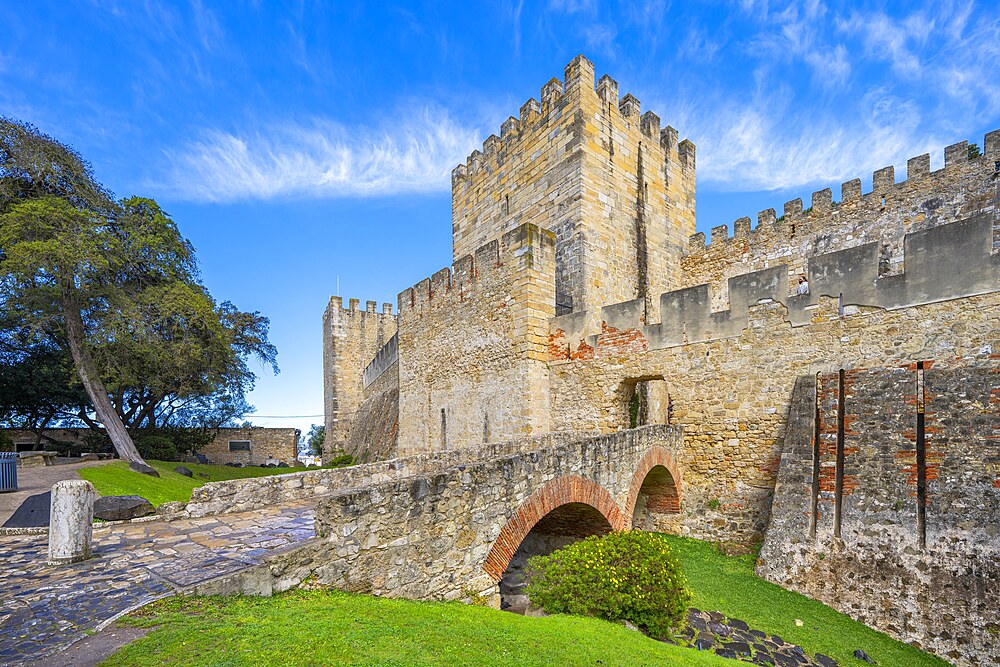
(92, 381)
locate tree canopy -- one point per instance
(113, 287)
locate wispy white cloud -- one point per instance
(573, 6)
(320, 159)
(761, 145)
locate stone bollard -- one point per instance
(71, 522)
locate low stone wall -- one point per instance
(448, 532)
(241, 495)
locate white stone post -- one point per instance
(71, 521)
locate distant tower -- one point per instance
(617, 191)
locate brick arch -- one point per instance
(558, 492)
(657, 456)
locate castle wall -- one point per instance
(732, 394)
(472, 346)
(882, 217)
(376, 423)
(351, 340)
(902, 529)
(617, 191)
(730, 372)
(265, 443)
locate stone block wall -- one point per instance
(265, 443)
(732, 394)
(375, 428)
(437, 536)
(617, 191)
(472, 346)
(925, 199)
(891, 515)
(351, 339)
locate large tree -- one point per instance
(116, 285)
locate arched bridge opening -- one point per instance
(655, 496)
(563, 511)
(560, 527)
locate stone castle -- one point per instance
(589, 362)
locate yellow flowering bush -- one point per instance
(630, 575)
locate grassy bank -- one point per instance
(319, 628)
(728, 584)
(330, 628)
(115, 479)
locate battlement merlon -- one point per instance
(885, 189)
(850, 274)
(520, 263)
(335, 309)
(578, 81)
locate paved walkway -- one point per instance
(39, 479)
(44, 609)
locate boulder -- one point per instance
(181, 470)
(121, 508)
(32, 513)
(143, 468)
(282, 464)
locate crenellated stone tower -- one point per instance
(617, 191)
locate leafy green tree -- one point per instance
(116, 285)
(315, 438)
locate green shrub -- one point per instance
(629, 575)
(158, 448)
(341, 461)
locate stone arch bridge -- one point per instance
(468, 528)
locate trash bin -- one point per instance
(8, 471)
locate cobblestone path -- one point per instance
(43, 609)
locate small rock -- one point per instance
(630, 625)
(282, 464)
(204, 475)
(718, 629)
(121, 508)
(861, 655)
(738, 624)
(181, 470)
(143, 468)
(825, 660)
(705, 641)
(726, 653)
(741, 648)
(697, 622)
(799, 623)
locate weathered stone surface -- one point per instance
(121, 508)
(32, 513)
(181, 470)
(143, 468)
(71, 521)
(720, 330)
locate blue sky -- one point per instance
(297, 142)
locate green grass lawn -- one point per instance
(115, 479)
(728, 584)
(331, 628)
